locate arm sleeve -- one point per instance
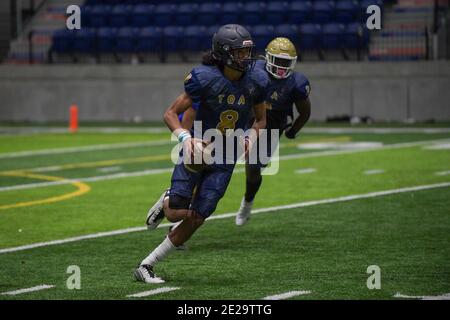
(193, 88)
(302, 88)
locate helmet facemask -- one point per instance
(241, 58)
(280, 66)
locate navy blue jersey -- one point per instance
(223, 104)
(281, 95)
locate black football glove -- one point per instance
(290, 133)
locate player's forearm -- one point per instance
(304, 110)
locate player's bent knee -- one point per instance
(177, 202)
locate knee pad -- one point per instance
(178, 202)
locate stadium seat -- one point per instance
(309, 36)
(231, 12)
(142, 15)
(186, 13)
(99, 16)
(346, 11)
(84, 41)
(262, 35)
(322, 11)
(277, 12)
(63, 40)
(193, 37)
(253, 13)
(164, 14)
(106, 39)
(149, 39)
(208, 13)
(353, 36)
(289, 31)
(120, 16)
(126, 39)
(332, 36)
(172, 38)
(299, 12)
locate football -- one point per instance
(200, 151)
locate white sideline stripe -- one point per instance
(373, 171)
(227, 215)
(158, 171)
(445, 296)
(152, 292)
(82, 149)
(442, 173)
(32, 289)
(306, 170)
(287, 295)
(375, 148)
(109, 169)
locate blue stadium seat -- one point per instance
(106, 39)
(310, 34)
(323, 11)
(164, 14)
(277, 12)
(299, 12)
(86, 12)
(262, 34)
(126, 39)
(353, 36)
(231, 12)
(120, 16)
(149, 39)
(193, 37)
(289, 31)
(209, 13)
(84, 40)
(346, 11)
(186, 13)
(142, 15)
(332, 36)
(172, 38)
(99, 16)
(254, 13)
(63, 40)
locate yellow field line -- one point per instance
(113, 162)
(82, 188)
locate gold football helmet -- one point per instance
(281, 57)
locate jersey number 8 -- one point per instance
(228, 120)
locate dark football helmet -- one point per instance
(233, 46)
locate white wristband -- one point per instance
(183, 136)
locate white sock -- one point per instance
(159, 253)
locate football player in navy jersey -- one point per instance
(286, 88)
(220, 93)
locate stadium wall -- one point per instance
(385, 91)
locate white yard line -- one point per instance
(227, 215)
(445, 296)
(305, 171)
(339, 152)
(152, 292)
(109, 169)
(373, 171)
(442, 173)
(287, 295)
(20, 291)
(158, 171)
(83, 149)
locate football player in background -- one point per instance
(220, 93)
(286, 88)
